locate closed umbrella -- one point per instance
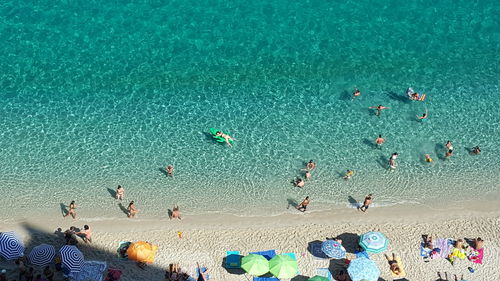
(11, 246)
(283, 266)
(374, 242)
(255, 264)
(333, 249)
(363, 269)
(42, 255)
(71, 258)
(318, 278)
(142, 252)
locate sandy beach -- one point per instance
(206, 238)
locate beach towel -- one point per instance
(91, 271)
(402, 273)
(476, 256)
(445, 246)
(269, 254)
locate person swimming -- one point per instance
(424, 116)
(379, 141)
(476, 150)
(348, 175)
(356, 93)
(428, 158)
(226, 137)
(299, 182)
(378, 109)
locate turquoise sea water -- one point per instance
(99, 93)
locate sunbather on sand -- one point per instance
(393, 263)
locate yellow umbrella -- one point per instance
(142, 252)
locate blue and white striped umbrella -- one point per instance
(72, 258)
(333, 249)
(374, 242)
(11, 246)
(42, 255)
(363, 269)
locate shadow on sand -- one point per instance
(291, 202)
(123, 209)
(90, 252)
(64, 210)
(112, 192)
(353, 202)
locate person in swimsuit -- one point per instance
(120, 192)
(366, 203)
(307, 175)
(476, 150)
(449, 145)
(379, 141)
(170, 170)
(72, 210)
(428, 158)
(424, 116)
(132, 210)
(378, 109)
(86, 234)
(449, 153)
(392, 160)
(356, 93)
(227, 138)
(176, 213)
(303, 206)
(393, 263)
(348, 175)
(310, 165)
(299, 182)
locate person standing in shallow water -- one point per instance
(366, 203)
(310, 165)
(303, 206)
(72, 210)
(132, 210)
(170, 170)
(379, 141)
(120, 193)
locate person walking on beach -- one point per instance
(366, 203)
(72, 210)
(120, 193)
(132, 210)
(310, 165)
(170, 170)
(356, 93)
(392, 160)
(303, 206)
(86, 234)
(379, 141)
(378, 109)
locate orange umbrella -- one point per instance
(142, 252)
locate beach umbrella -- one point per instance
(11, 246)
(142, 252)
(333, 249)
(42, 255)
(363, 269)
(71, 258)
(374, 242)
(318, 278)
(283, 266)
(255, 264)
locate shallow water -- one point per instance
(99, 94)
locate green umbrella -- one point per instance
(318, 278)
(283, 266)
(255, 264)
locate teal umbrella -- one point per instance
(283, 266)
(255, 264)
(374, 242)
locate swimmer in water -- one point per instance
(348, 175)
(378, 109)
(356, 93)
(428, 158)
(299, 182)
(170, 170)
(424, 116)
(310, 165)
(476, 150)
(307, 175)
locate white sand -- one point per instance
(207, 238)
